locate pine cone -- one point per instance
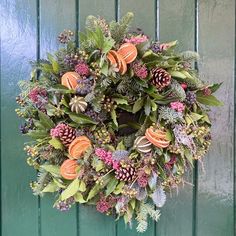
(68, 135)
(64, 132)
(160, 78)
(126, 172)
(78, 104)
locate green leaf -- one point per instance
(189, 156)
(82, 186)
(195, 116)
(81, 119)
(55, 67)
(121, 146)
(45, 120)
(119, 188)
(120, 101)
(153, 105)
(56, 143)
(97, 164)
(209, 100)
(71, 190)
(38, 134)
(50, 188)
(79, 198)
(93, 192)
(59, 183)
(61, 89)
(147, 106)
(52, 169)
(111, 186)
(138, 105)
(177, 74)
(215, 87)
(104, 69)
(114, 118)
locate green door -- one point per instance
(29, 29)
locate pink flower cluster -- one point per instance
(140, 70)
(104, 204)
(172, 161)
(58, 130)
(136, 39)
(38, 96)
(178, 106)
(142, 180)
(82, 69)
(106, 156)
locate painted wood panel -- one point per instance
(217, 47)
(211, 213)
(18, 46)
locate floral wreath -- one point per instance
(116, 122)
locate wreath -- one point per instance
(115, 122)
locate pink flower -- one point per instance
(142, 180)
(39, 97)
(178, 106)
(140, 70)
(105, 203)
(104, 155)
(103, 206)
(82, 69)
(136, 39)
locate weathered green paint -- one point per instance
(211, 212)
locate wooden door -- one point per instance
(29, 29)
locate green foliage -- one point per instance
(119, 29)
(92, 40)
(146, 210)
(169, 115)
(209, 100)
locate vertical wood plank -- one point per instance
(144, 18)
(177, 23)
(217, 47)
(18, 47)
(91, 222)
(55, 16)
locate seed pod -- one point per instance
(142, 144)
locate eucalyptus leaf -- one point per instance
(45, 120)
(52, 169)
(93, 192)
(81, 119)
(114, 118)
(79, 198)
(50, 188)
(111, 186)
(138, 105)
(38, 134)
(56, 143)
(71, 190)
(209, 100)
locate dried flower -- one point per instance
(178, 106)
(38, 96)
(136, 39)
(140, 70)
(82, 69)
